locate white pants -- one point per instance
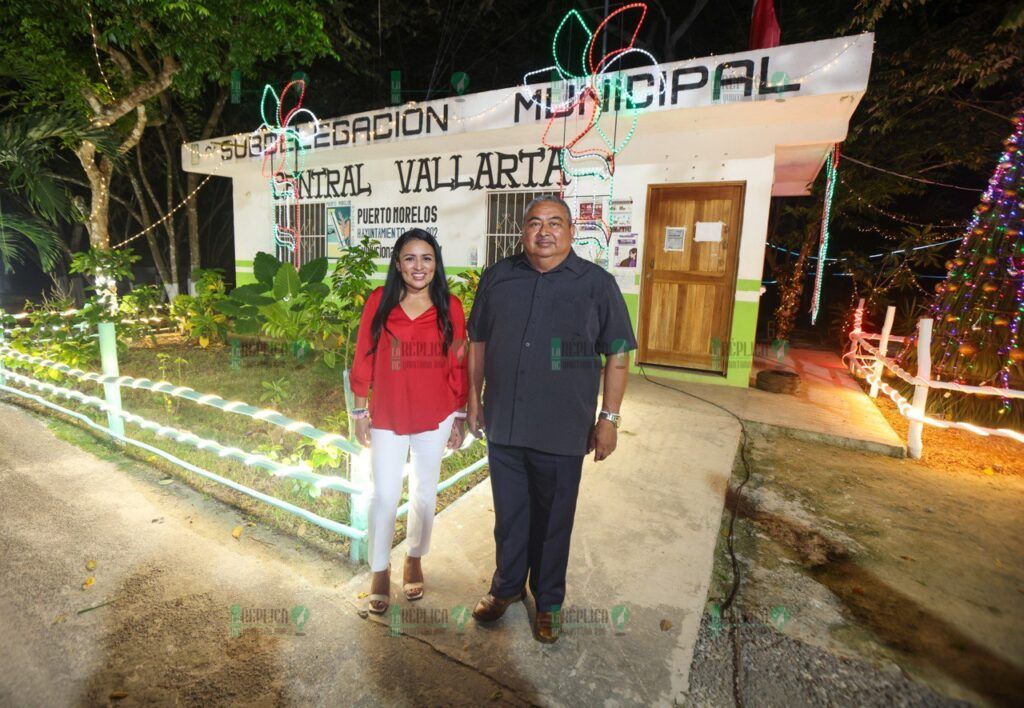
(389, 452)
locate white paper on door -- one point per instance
(710, 231)
(675, 237)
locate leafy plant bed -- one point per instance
(309, 392)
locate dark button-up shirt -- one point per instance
(544, 334)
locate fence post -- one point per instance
(359, 475)
(112, 392)
(883, 347)
(854, 345)
(924, 371)
(3, 380)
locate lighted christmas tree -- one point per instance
(977, 336)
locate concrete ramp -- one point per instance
(646, 526)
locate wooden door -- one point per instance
(689, 285)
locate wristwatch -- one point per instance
(613, 418)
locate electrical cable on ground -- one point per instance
(726, 607)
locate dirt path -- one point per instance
(871, 581)
(192, 615)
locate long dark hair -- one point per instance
(394, 290)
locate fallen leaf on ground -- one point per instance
(90, 565)
(988, 470)
(906, 558)
(496, 695)
(363, 613)
(857, 590)
(118, 695)
(251, 523)
(236, 532)
(166, 480)
(88, 582)
(362, 595)
(59, 618)
(665, 625)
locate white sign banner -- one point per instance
(814, 68)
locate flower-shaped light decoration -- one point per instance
(283, 158)
(597, 92)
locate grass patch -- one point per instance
(308, 392)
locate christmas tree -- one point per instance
(978, 312)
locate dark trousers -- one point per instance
(534, 505)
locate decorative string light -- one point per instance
(948, 224)
(831, 168)
(873, 255)
(284, 178)
(591, 85)
(95, 48)
(980, 305)
(169, 214)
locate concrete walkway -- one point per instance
(166, 561)
(646, 526)
(831, 406)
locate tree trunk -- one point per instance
(98, 172)
(154, 248)
(99, 168)
(791, 287)
(173, 285)
(193, 178)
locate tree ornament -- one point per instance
(978, 311)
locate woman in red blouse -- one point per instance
(411, 363)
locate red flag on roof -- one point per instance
(764, 27)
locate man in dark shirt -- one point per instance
(539, 325)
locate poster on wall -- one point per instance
(339, 228)
(625, 251)
(621, 214)
(591, 211)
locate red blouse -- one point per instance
(415, 385)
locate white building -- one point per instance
(682, 224)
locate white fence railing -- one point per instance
(869, 361)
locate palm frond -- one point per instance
(23, 236)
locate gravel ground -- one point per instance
(776, 670)
(867, 580)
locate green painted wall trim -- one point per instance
(746, 284)
(741, 359)
(243, 264)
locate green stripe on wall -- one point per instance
(742, 284)
(744, 327)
